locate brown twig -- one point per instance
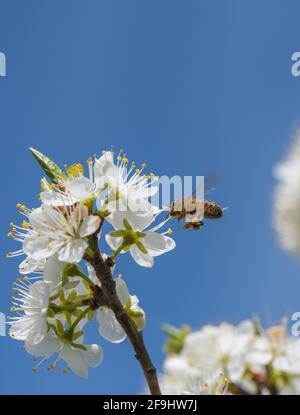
(108, 287)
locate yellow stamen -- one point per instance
(75, 170)
(25, 224)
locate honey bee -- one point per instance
(193, 210)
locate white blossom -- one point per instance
(78, 360)
(287, 200)
(109, 327)
(143, 243)
(51, 230)
(128, 189)
(234, 359)
(31, 304)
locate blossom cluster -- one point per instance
(227, 359)
(287, 200)
(54, 298)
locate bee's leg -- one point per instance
(187, 225)
(197, 225)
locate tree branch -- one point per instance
(108, 287)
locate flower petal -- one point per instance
(38, 247)
(140, 258)
(109, 327)
(73, 251)
(122, 290)
(54, 198)
(157, 244)
(113, 242)
(105, 171)
(53, 270)
(138, 220)
(46, 347)
(29, 327)
(89, 225)
(76, 360)
(94, 355)
(29, 265)
(81, 188)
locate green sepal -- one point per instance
(126, 247)
(45, 185)
(140, 234)
(62, 297)
(141, 246)
(71, 270)
(60, 327)
(91, 314)
(72, 296)
(70, 285)
(102, 213)
(133, 313)
(127, 224)
(50, 313)
(176, 339)
(78, 346)
(55, 174)
(117, 234)
(77, 335)
(76, 312)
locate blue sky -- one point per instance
(188, 87)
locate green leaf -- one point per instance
(51, 169)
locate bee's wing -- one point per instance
(207, 186)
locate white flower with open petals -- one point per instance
(78, 359)
(31, 304)
(131, 234)
(75, 188)
(215, 348)
(128, 189)
(53, 230)
(109, 327)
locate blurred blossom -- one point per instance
(227, 359)
(287, 199)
